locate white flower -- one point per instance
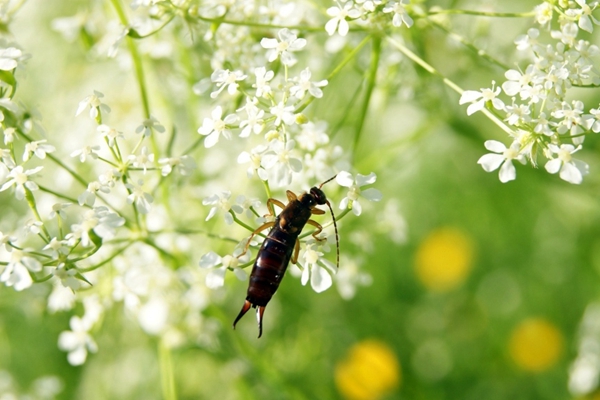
(262, 81)
(585, 15)
(280, 163)
(255, 159)
(142, 160)
(400, 14)
(222, 203)
(543, 13)
(5, 241)
(96, 106)
(77, 341)
(148, 125)
(313, 135)
(571, 118)
(303, 85)
(213, 127)
(17, 272)
(110, 177)
(283, 113)
(20, 179)
(85, 152)
(184, 164)
(491, 162)
(248, 204)
(57, 247)
(349, 277)
(39, 148)
(58, 209)
(111, 134)
(219, 265)
(255, 122)
(33, 227)
(314, 266)
(339, 14)
(479, 99)
(288, 42)
(9, 57)
(88, 197)
(226, 79)
(141, 199)
(571, 170)
(527, 84)
(346, 179)
(61, 299)
(67, 276)
(9, 135)
(103, 222)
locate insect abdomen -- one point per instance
(270, 266)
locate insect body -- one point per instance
(281, 246)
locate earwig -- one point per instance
(282, 245)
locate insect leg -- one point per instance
(317, 231)
(259, 229)
(271, 202)
(291, 195)
(244, 310)
(296, 252)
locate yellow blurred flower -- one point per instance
(535, 344)
(444, 259)
(369, 371)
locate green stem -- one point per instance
(371, 80)
(167, 375)
(481, 53)
(246, 226)
(260, 25)
(105, 261)
(491, 14)
(59, 195)
(337, 69)
(447, 82)
(33, 206)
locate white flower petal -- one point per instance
(356, 208)
(211, 140)
(469, 96)
(344, 179)
(571, 174)
(215, 278)
(77, 356)
(305, 275)
(495, 146)
(490, 162)
(331, 25)
(209, 260)
(362, 180)
(507, 172)
(473, 108)
(320, 279)
(371, 194)
(553, 166)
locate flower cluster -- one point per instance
(361, 11)
(102, 231)
(541, 116)
(281, 147)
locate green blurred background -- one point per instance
(481, 294)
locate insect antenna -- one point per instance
(328, 180)
(337, 238)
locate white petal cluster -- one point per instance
(543, 118)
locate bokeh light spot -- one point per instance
(369, 371)
(444, 259)
(535, 344)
